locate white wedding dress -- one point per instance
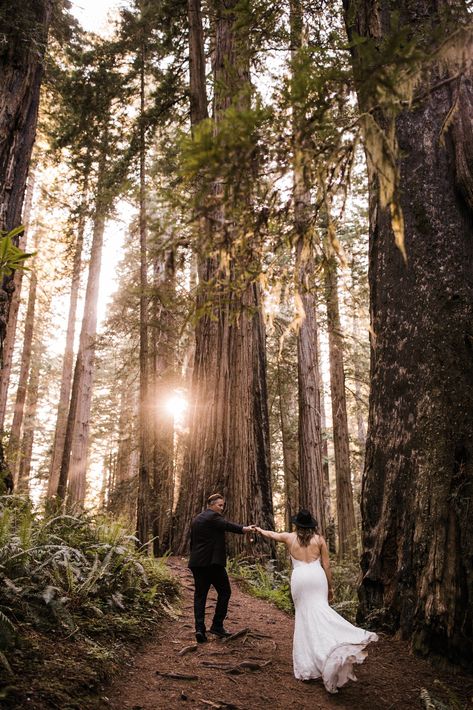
(325, 644)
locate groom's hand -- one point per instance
(248, 528)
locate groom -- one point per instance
(207, 563)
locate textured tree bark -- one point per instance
(229, 431)
(144, 513)
(311, 476)
(21, 71)
(197, 88)
(125, 434)
(288, 404)
(84, 372)
(328, 514)
(347, 543)
(67, 366)
(72, 476)
(418, 480)
(9, 343)
(205, 331)
(123, 490)
(311, 479)
(19, 408)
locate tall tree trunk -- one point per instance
(125, 434)
(85, 370)
(21, 66)
(72, 477)
(329, 518)
(19, 408)
(288, 403)
(144, 512)
(163, 380)
(229, 438)
(197, 88)
(21, 72)
(30, 421)
(9, 343)
(359, 407)
(418, 480)
(67, 365)
(347, 543)
(311, 478)
(123, 493)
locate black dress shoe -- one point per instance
(221, 633)
(200, 636)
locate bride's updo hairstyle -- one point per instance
(306, 527)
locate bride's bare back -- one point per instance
(310, 553)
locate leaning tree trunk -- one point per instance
(311, 477)
(418, 479)
(347, 543)
(72, 477)
(30, 419)
(19, 407)
(229, 438)
(67, 365)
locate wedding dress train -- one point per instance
(325, 644)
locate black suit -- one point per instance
(207, 562)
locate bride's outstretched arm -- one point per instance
(325, 561)
(279, 537)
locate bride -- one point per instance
(325, 644)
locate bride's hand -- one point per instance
(330, 595)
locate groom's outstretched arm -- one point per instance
(227, 526)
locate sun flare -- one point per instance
(176, 405)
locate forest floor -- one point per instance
(391, 677)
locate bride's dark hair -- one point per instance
(305, 535)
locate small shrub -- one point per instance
(264, 581)
(74, 583)
(448, 701)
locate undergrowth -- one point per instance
(73, 590)
(271, 581)
(443, 699)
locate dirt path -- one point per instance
(390, 678)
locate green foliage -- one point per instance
(11, 257)
(266, 581)
(75, 579)
(345, 575)
(228, 153)
(448, 701)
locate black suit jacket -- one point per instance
(208, 539)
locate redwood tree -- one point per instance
(418, 479)
(311, 476)
(347, 543)
(229, 437)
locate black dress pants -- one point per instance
(205, 577)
